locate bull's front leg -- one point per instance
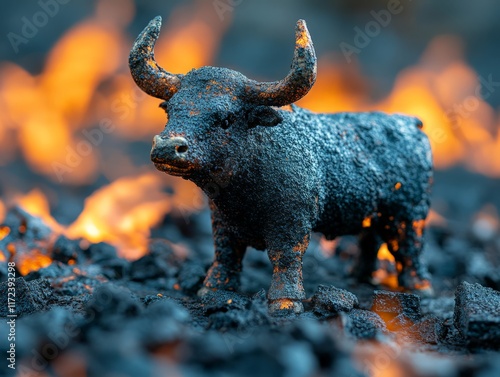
(229, 251)
(287, 290)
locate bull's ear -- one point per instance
(264, 116)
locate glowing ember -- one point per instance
(382, 275)
(434, 218)
(385, 254)
(31, 261)
(4, 232)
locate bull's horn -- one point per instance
(147, 74)
(299, 80)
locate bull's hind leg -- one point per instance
(287, 290)
(369, 244)
(405, 241)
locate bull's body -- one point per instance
(328, 173)
(275, 174)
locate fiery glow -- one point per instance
(367, 222)
(375, 359)
(123, 212)
(31, 260)
(382, 275)
(48, 109)
(434, 218)
(37, 204)
(441, 89)
(384, 253)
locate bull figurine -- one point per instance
(274, 172)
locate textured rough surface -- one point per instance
(273, 174)
(29, 297)
(477, 314)
(392, 304)
(331, 300)
(363, 324)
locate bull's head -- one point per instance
(210, 110)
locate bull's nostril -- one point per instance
(181, 149)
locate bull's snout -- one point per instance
(169, 151)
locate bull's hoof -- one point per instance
(285, 306)
(203, 291)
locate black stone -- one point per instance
(363, 324)
(391, 304)
(329, 300)
(477, 314)
(30, 297)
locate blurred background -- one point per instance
(75, 132)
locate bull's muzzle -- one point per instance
(172, 151)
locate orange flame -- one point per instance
(37, 204)
(124, 212)
(31, 261)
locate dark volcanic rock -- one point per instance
(65, 250)
(191, 276)
(229, 310)
(426, 329)
(477, 314)
(329, 300)
(110, 305)
(30, 296)
(161, 262)
(391, 304)
(222, 301)
(100, 252)
(363, 324)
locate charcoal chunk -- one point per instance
(391, 304)
(427, 329)
(329, 300)
(99, 252)
(65, 250)
(477, 314)
(110, 305)
(30, 297)
(191, 277)
(161, 262)
(363, 324)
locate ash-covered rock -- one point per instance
(329, 300)
(477, 314)
(392, 304)
(229, 310)
(29, 297)
(363, 324)
(160, 263)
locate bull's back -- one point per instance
(371, 163)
